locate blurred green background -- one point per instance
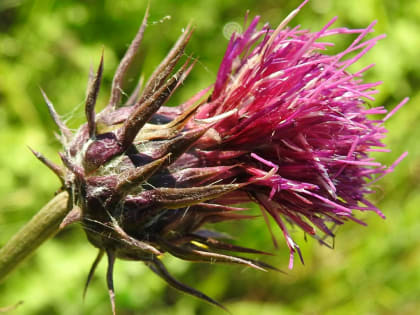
(372, 270)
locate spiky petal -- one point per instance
(125, 63)
(58, 170)
(92, 96)
(65, 131)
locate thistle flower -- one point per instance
(285, 126)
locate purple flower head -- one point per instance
(285, 126)
(298, 129)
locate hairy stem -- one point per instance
(41, 227)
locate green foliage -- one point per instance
(374, 270)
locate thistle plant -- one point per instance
(284, 126)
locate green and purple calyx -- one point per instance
(284, 126)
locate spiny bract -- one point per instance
(285, 126)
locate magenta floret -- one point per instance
(299, 125)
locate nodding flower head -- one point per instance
(285, 126)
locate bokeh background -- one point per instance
(52, 44)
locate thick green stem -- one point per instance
(40, 228)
